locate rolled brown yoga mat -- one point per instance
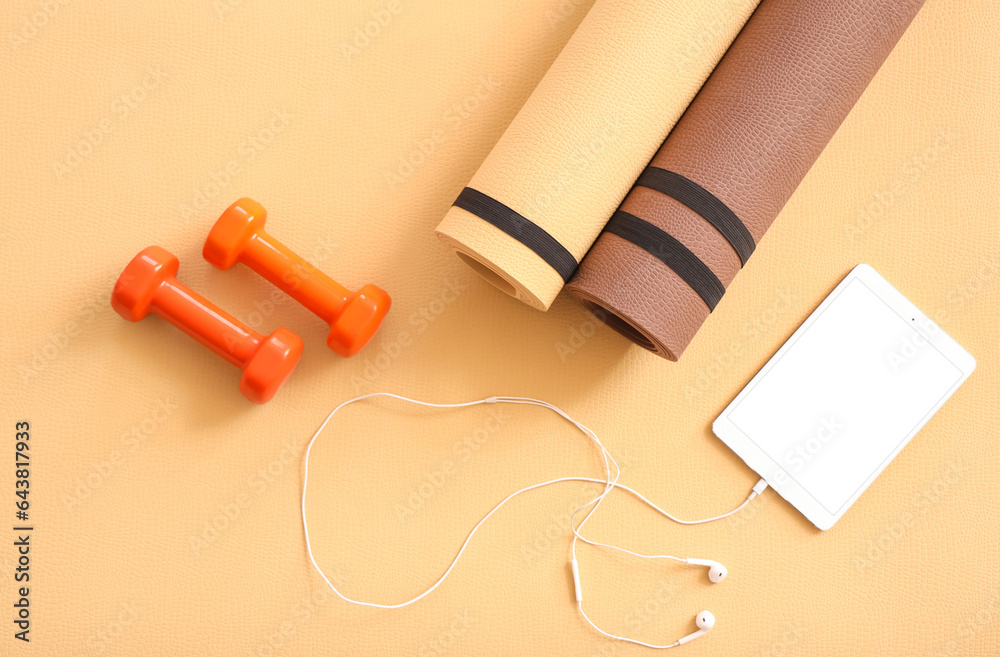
(571, 154)
(731, 163)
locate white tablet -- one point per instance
(843, 396)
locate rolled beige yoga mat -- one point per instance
(732, 162)
(575, 148)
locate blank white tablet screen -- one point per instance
(845, 395)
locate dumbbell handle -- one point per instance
(295, 276)
(353, 316)
(205, 322)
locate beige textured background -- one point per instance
(165, 505)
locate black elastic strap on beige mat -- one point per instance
(520, 228)
(705, 203)
(671, 252)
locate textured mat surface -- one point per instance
(579, 142)
(167, 505)
(744, 145)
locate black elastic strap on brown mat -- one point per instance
(520, 228)
(705, 203)
(671, 252)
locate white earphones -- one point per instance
(717, 572)
(705, 620)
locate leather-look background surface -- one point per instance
(165, 505)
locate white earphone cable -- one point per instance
(610, 483)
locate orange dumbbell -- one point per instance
(148, 284)
(238, 236)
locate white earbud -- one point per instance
(705, 620)
(716, 571)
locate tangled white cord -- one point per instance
(609, 482)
